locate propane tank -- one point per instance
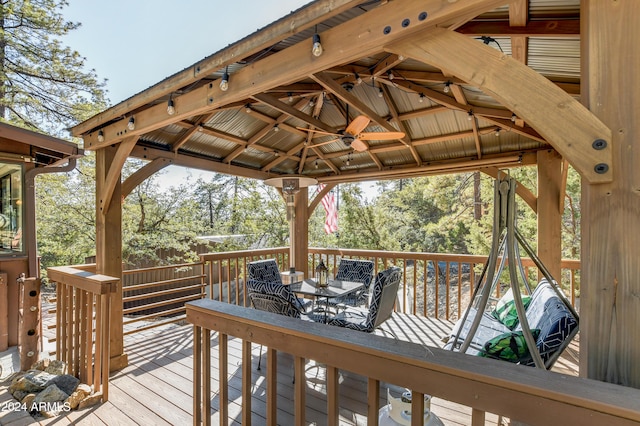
(398, 411)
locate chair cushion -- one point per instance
(264, 270)
(510, 346)
(505, 310)
(360, 271)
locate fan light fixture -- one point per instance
(224, 83)
(131, 125)
(171, 109)
(316, 49)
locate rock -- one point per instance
(31, 382)
(28, 400)
(57, 367)
(41, 364)
(74, 399)
(84, 388)
(90, 400)
(66, 383)
(19, 394)
(51, 394)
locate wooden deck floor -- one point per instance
(156, 387)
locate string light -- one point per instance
(470, 117)
(316, 164)
(131, 125)
(171, 109)
(276, 128)
(224, 83)
(513, 118)
(421, 98)
(276, 153)
(247, 108)
(380, 93)
(316, 49)
(358, 78)
(390, 75)
(497, 132)
(446, 87)
(100, 136)
(290, 96)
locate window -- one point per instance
(11, 202)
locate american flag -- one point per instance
(329, 204)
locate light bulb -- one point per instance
(513, 118)
(312, 103)
(317, 47)
(446, 87)
(276, 128)
(497, 132)
(380, 94)
(247, 108)
(421, 98)
(290, 97)
(100, 136)
(276, 153)
(348, 162)
(224, 83)
(470, 117)
(316, 164)
(390, 75)
(358, 79)
(171, 109)
(131, 125)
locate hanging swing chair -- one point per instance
(523, 326)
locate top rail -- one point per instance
(84, 280)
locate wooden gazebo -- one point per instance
(472, 85)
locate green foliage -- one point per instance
(43, 84)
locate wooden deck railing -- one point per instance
(433, 285)
(523, 394)
(82, 316)
(153, 297)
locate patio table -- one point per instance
(335, 288)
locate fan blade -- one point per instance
(357, 125)
(380, 136)
(359, 145)
(322, 132)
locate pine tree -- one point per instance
(43, 84)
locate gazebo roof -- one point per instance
(278, 91)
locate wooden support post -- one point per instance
(610, 306)
(300, 232)
(4, 313)
(29, 328)
(549, 214)
(109, 251)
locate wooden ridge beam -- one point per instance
(571, 128)
(295, 63)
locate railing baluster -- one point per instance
(373, 398)
(299, 391)
(272, 387)
(246, 382)
(223, 377)
(333, 396)
(417, 407)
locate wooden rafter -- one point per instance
(524, 193)
(393, 109)
(316, 113)
(528, 94)
(386, 65)
(292, 111)
(191, 131)
(518, 17)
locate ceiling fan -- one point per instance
(354, 137)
